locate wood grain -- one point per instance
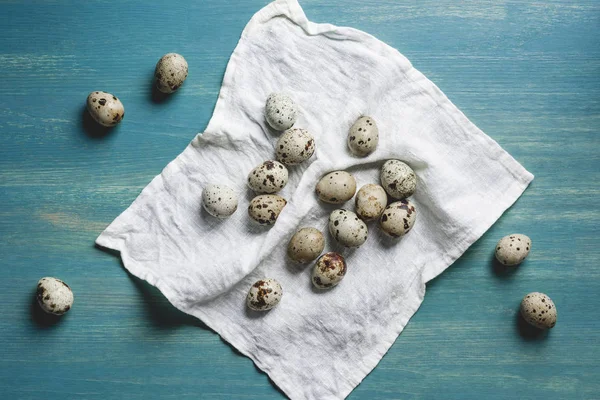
(527, 73)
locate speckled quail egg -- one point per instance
(370, 202)
(347, 229)
(105, 108)
(539, 310)
(295, 146)
(513, 249)
(398, 179)
(170, 72)
(363, 137)
(280, 111)
(265, 208)
(306, 245)
(268, 177)
(336, 187)
(219, 200)
(329, 270)
(264, 295)
(398, 218)
(54, 296)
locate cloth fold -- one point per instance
(315, 344)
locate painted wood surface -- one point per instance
(527, 73)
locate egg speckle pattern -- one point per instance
(105, 108)
(539, 310)
(265, 209)
(219, 200)
(347, 229)
(398, 179)
(54, 296)
(363, 137)
(295, 146)
(513, 249)
(329, 270)
(306, 245)
(370, 202)
(268, 177)
(170, 72)
(336, 187)
(280, 111)
(264, 295)
(398, 218)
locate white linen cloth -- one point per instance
(315, 344)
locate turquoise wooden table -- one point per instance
(527, 73)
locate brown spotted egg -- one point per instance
(398, 218)
(295, 146)
(513, 249)
(265, 209)
(54, 296)
(370, 202)
(280, 111)
(170, 72)
(268, 177)
(105, 108)
(398, 179)
(219, 200)
(539, 310)
(363, 137)
(306, 245)
(264, 295)
(329, 270)
(336, 187)
(347, 229)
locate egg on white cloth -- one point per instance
(219, 200)
(264, 295)
(347, 229)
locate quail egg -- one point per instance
(264, 295)
(329, 270)
(306, 245)
(347, 229)
(54, 296)
(105, 108)
(265, 208)
(539, 310)
(280, 111)
(370, 202)
(295, 146)
(363, 137)
(398, 179)
(513, 249)
(170, 72)
(268, 177)
(219, 200)
(336, 187)
(398, 218)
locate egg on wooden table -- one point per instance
(512, 249)
(219, 200)
(295, 146)
(347, 229)
(264, 295)
(398, 218)
(269, 177)
(539, 310)
(398, 179)
(336, 187)
(265, 208)
(306, 245)
(54, 296)
(170, 72)
(363, 137)
(329, 270)
(280, 111)
(105, 108)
